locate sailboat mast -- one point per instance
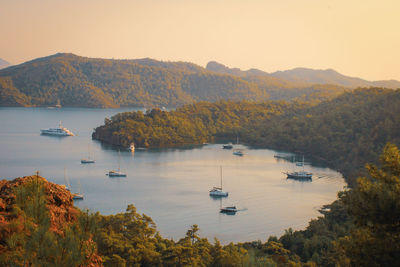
(119, 160)
(220, 174)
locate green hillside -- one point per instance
(88, 82)
(344, 133)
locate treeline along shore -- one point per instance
(344, 133)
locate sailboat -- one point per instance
(88, 159)
(78, 195)
(300, 175)
(67, 186)
(117, 173)
(217, 191)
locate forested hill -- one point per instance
(87, 82)
(345, 133)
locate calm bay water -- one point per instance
(169, 185)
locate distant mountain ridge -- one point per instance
(305, 76)
(94, 82)
(4, 64)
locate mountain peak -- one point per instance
(4, 64)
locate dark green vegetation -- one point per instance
(361, 228)
(190, 124)
(85, 82)
(343, 133)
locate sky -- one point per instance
(355, 37)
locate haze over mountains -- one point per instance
(4, 64)
(306, 76)
(92, 82)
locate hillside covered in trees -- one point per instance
(187, 125)
(360, 124)
(41, 227)
(344, 133)
(76, 81)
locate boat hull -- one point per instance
(116, 174)
(45, 132)
(219, 194)
(307, 176)
(85, 161)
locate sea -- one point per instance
(170, 185)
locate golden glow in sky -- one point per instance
(356, 38)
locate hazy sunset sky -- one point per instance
(357, 37)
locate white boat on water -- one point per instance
(60, 131)
(88, 159)
(132, 147)
(238, 153)
(78, 195)
(118, 172)
(300, 175)
(217, 191)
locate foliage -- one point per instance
(375, 208)
(190, 124)
(33, 243)
(343, 133)
(86, 82)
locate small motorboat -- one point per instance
(227, 146)
(238, 153)
(77, 196)
(88, 160)
(116, 174)
(229, 209)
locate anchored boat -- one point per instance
(217, 191)
(60, 131)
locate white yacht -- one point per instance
(60, 131)
(217, 191)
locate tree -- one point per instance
(375, 208)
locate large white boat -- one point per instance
(60, 131)
(217, 191)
